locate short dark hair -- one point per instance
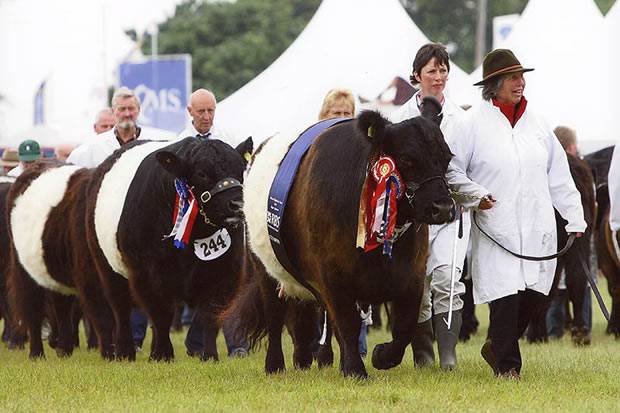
(425, 54)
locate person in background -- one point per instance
(338, 103)
(201, 109)
(28, 152)
(126, 108)
(431, 67)
(104, 121)
(556, 314)
(10, 159)
(510, 168)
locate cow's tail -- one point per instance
(248, 306)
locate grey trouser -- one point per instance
(438, 281)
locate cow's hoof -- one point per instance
(208, 357)
(581, 336)
(302, 360)
(63, 353)
(385, 357)
(36, 355)
(274, 362)
(155, 356)
(325, 357)
(274, 369)
(359, 374)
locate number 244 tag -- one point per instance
(214, 246)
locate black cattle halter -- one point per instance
(222, 185)
(413, 187)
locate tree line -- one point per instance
(233, 41)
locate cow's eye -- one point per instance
(201, 175)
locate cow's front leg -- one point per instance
(404, 315)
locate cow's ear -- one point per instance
(173, 164)
(431, 109)
(245, 148)
(372, 125)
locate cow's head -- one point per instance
(214, 171)
(422, 156)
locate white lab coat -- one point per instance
(526, 171)
(93, 152)
(613, 180)
(441, 237)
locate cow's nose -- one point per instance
(235, 206)
(442, 212)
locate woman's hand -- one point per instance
(486, 202)
(577, 234)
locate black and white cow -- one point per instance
(49, 259)
(319, 230)
(131, 209)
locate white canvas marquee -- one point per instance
(357, 44)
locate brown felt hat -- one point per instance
(500, 62)
(10, 158)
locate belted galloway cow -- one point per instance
(164, 226)
(330, 210)
(49, 260)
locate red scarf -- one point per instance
(512, 112)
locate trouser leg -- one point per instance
(139, 322)
(426, 309)
(235, 344)
(503, 328)
(556, 315)
(440, 287)
(509, 318)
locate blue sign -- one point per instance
(163, 87)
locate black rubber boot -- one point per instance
(422, 343)
(447, 339)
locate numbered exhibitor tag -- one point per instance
(213, 247)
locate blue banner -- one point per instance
(39, 105)
(163, 86)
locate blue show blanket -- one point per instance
(282, 183)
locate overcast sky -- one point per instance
(73, 44)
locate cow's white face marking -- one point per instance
(111, 199)
(214, 246)
(255, 196)
(28, 219)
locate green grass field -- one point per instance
(555, 377)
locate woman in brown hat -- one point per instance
(511, 169)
